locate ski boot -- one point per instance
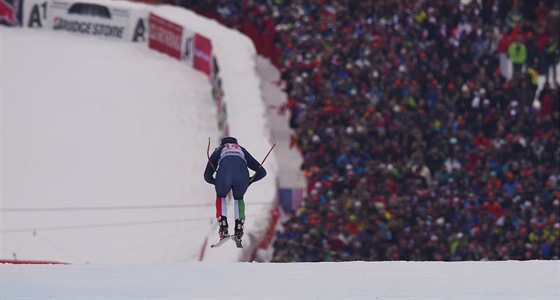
(223, 231)
(239, 232)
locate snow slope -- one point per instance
(103, 143)
(353, 280)
(103, 146)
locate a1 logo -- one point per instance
(139, 34)
(38, 15)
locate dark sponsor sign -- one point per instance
(90, 9)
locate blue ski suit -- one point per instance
(230, 162)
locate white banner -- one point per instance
(98, 19)
(89, 18)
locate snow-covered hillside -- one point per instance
(355, 280)
(103, 147)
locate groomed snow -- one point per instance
(104, 143)
(103, 146)
(353, 280)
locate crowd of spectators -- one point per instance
(424, 131)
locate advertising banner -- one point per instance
(164, 36)
(35, 13)
(90, 19)
(139, 26)
(11, 12)
(202, 54)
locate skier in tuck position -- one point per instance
(230, 162)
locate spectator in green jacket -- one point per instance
(517, 52)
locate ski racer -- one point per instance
(230, 162)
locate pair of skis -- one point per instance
(222, 241)
(232, 237)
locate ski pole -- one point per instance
(260, 166)
(208, 155)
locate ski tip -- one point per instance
(275, 142)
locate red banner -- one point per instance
(202, 54)
(164, 36)
(11, 12)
